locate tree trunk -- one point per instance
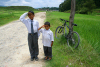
(71, 19)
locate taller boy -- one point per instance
(32, 27)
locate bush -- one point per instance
(67, 11)
(84, 10)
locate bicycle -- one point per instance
(72, 37)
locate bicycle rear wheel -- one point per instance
(59, 32)
(73, 40)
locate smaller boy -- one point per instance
(47, 39)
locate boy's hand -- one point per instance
(43, 26)
(51, 43)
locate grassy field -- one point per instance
(88, 52)
(9, 14)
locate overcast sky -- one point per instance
(33, 3)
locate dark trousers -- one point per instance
(33, 45)
(47, 51)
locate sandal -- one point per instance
(49, 58)
(46, 58)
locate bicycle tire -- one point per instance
(74, 40)
(59, 32)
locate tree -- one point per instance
(66, 5)
(97, 3)
(87, 7)
(72, 14)
(82, 6)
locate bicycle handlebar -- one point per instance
(68, 21)
(64, 20)
(74, 24)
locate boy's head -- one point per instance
(31, 15)
(47, 25)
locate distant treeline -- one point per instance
(22, 8)
(49, 8)
(82, 6)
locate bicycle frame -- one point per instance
(70, 30)
(65, 25)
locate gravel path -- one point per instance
(14, 51)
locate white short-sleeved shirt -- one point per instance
(47, 37)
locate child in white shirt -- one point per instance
(47, 39)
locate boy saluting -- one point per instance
(47, 39)
(32, 27)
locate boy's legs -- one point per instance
(50, 52)
(33, 45)
(35, 42)
(30, 44)
(45, 50)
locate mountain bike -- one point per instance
(72, 37)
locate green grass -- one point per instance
(17, 8)
(88, 52)
(8, 15)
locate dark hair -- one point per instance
(31, 12)
(47, 23)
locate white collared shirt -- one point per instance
(27, 23)
(47, 37)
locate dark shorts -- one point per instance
(47, 51)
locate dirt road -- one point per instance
(14, 51)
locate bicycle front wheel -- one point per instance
(59, 32)
(73, 40)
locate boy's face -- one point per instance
(46, 27)
(30, 15)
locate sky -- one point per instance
(32, 3)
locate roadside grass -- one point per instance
(88, 52)
(7, 16)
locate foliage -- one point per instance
(66, 5)
(82, 6)
(96, 12)
(49, 8)
(86, 6)
(97, 3)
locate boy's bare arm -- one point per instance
(41, 27)
(51, 43)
